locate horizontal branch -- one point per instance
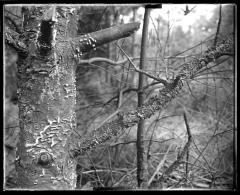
(13, 39)
(130, 90)
(85, 43)
(134, 141)
(99, 59)
(156, 103)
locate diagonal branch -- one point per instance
(85, 43)
(128, 119)
(142, 71)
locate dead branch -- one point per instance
(92, 40)
(142, 71)
(99, 59)
(156, 103)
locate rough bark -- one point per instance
(15, 40)
(47, 93)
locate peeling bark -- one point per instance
(47, 99)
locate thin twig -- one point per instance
(159, 166)
(102, 170)
(94, 169)
(110, 164)
(108, 118)
(134, 141)
(151, 138)
(177, 162)
(13, 14)
(123, 177)
(189, 134)
(142, 71)
(98, 24)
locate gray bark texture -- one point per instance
(46, 94)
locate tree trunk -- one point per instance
(47, 100)
(142, 170)
(48, 51)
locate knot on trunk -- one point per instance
(45, 159)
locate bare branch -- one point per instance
(142, 71)
(92, 40)
(99, 59)
(19, 17)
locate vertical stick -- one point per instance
(142, 175)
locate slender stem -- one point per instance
(218, 26)
(142, 173)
